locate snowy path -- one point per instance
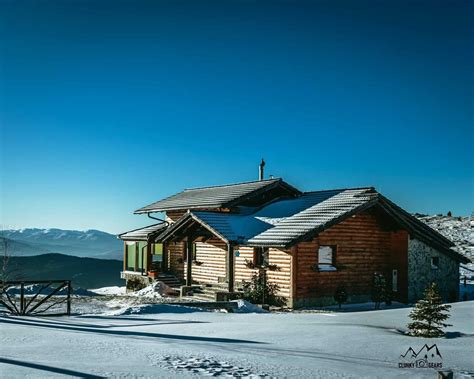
(358, 344)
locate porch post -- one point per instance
(189, 262)
(230, 267)
(148, 255)
(137, 251)
(125, 256)
(164, 262)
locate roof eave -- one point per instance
(174, 228)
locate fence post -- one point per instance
(69, 298)
(22, 298)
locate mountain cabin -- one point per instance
(308, 243)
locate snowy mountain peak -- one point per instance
(89, 243)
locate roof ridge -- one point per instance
(341, 189)
(233, 184)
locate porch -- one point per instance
(144, 260)
(204, 264)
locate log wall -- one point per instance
(363, 248)
(211, 262)
(281, 277)
(176, 258)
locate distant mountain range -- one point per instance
(83, 272)
(89, 243)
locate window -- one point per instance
(326, 255)
(260, 256)
(142, 258)
(434, 263)
(395, 280)
(131, 251)
(157, 252)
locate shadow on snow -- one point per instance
(56, 370)
(81, 328)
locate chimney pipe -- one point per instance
(260, 171)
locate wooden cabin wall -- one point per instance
(281, 277)
(211, 257)
(176, 258)
(211, 262)
(363, 248)
(173, 216)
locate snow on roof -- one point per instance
(286, 222)
(280, 222)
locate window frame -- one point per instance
(434, 263)
(320, 266)
(261, 256)
(333, 255)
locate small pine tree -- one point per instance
(340, 295)
(429, 315)
(259, 291)
(379, 289)
(450, 214)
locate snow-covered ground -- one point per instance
(166, 341)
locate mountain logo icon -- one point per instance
(426, 357)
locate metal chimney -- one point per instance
(260, 169)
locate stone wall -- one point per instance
(421, 274)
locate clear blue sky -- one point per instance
(106, 106)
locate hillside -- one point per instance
(89, 243)
(84, 272)
(457, 229)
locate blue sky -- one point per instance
(108, 106)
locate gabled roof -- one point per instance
(217, 196)
(284, 223)
(327, 208)
(142, 234)
(278, 223)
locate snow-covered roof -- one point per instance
(280, 222)
(284, 223)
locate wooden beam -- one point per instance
(164, 263)
(230, 267)
(125, 256)
(189, 262)
(294, 275)
(137, 251)
(149, 258)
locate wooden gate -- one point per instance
(36, 297)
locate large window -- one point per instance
(142, 259)
(326, 258)
(131, 247)
(260, 256)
